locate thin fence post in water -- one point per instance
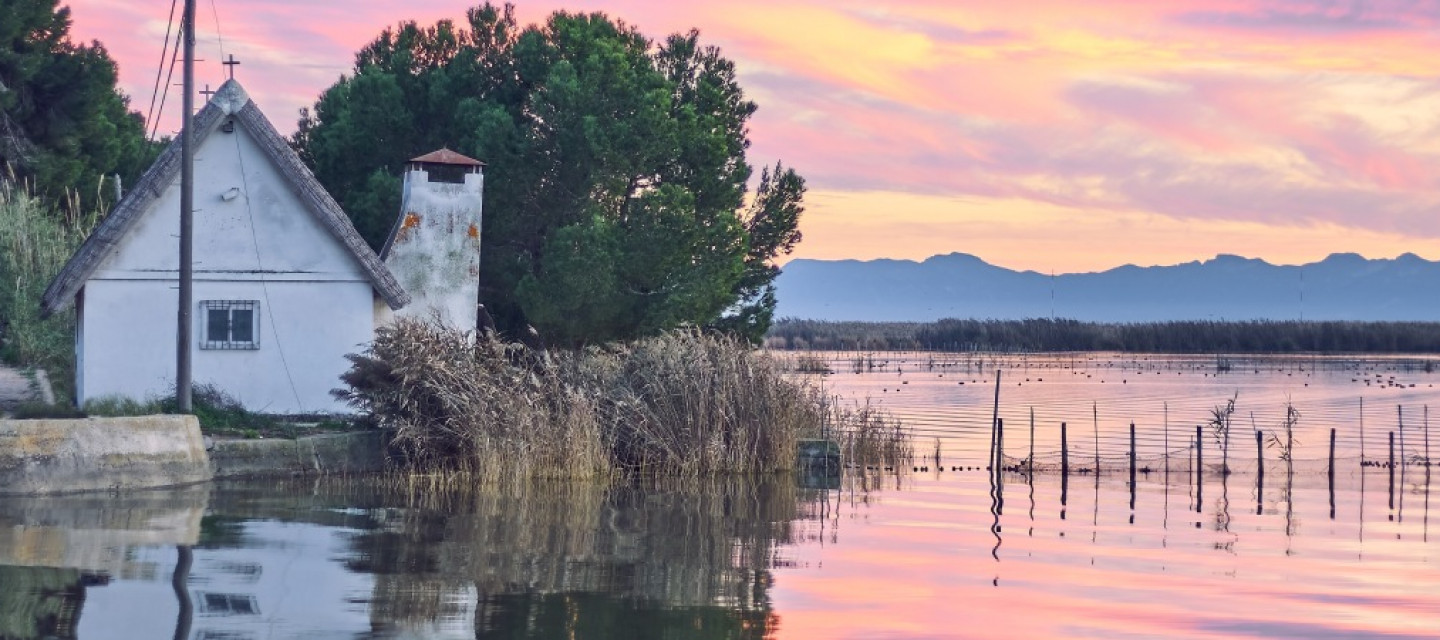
(1362, 444)
(1064, 452)
(1259, 468)
(1332, 473)
(995, 420)
(1132, 466)
(1167, 447)
(1260, 455)
(1032, 444)
(1095, 414)
(999, 445)
(997, 475)
(1199, 467)
(1400, 414)
(1391, 466)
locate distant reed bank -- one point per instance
(1046, 335)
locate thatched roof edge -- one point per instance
(106, 236)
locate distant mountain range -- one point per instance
(1344, 286)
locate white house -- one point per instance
(284, 286)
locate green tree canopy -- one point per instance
(616, 189)
(63, 123)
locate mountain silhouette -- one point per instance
(1343, 286)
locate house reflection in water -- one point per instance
(272, 579)
(101, 567)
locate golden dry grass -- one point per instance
(685, 403)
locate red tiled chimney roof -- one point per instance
(446, 156)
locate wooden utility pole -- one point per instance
(187, 207)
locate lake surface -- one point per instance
(905, 554)
(952, 397)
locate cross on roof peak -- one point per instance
(230, 63)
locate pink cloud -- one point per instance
(1317, 17)
(1200, 110)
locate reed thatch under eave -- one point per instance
(230, 100)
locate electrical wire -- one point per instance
(160, 67)
(260, 271)
(219, 37)
(160, 113)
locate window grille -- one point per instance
(230, 324)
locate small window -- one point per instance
(230, 324)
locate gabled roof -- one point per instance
(230, 100)
(446, 156)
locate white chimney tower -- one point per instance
(434, 249)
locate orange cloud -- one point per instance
(1164, 131)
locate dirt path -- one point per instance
(14, 388)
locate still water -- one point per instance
(906, 554)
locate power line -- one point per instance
(260, 272)
(219, 38)
(160, 67)
(160, 113)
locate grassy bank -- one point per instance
(1044, 335)
(686, 403)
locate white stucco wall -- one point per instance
(305, 329)
(435, 253)
(260, 244)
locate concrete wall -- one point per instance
(435, 251)
(254, 240)
(98, 454)
(328, 454)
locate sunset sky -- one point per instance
(1046, 135)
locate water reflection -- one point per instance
(702, 545)
(53, 551)
(855, 556)
(359, 559)
(934, 543)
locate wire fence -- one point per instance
(1093, 412)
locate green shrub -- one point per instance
(119, 406)
(35, 242)
(219, 413)
(42, 411)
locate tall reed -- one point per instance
(36, 240)
(685, 403)
(475, 406)
(869, 435)
(689, 402)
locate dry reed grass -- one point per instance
(685, 403)
(479, 407)
(689, 402)
(869, 435)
